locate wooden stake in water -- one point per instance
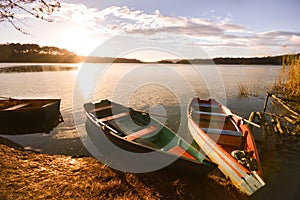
(284, 105)
(266, 101)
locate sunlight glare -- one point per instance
(77, 40)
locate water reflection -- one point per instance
(136, 85)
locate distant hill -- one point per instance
(16, 52)
(33, 53)
(93, 59)
(270, 60)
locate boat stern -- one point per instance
(251, 183)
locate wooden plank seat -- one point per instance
(178, 150)
(48, 104)
(108, 118)
(141, 133)
(211, 116)
(222, 132)
(96, 109)
(206, 105)
(18, 106)
(210, 113)
(225, 137)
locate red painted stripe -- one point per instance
(221, 149)
(114, 116)
(178, 150)
(141, 133)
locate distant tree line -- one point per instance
(271, 60)
(33, 53)
(94, 59)
(16, 52)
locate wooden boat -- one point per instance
(136, 132)
(227, 141)
(28, 115)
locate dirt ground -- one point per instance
(30, 175)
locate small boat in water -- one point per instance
(227, 141)
(137, 132)
(21, 116)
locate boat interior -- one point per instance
(219, 126)
(138, 127)
(10, 105)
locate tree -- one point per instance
(11, 10)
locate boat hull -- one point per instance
(245, 180)
(179, 166)
(40, 115)
(182, 166)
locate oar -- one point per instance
(249, 122)
(229, 113)
(6, 98)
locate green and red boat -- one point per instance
(136, 131)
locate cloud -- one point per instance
(214, 32)
(278, 34)
(80, 14)
(295, 39)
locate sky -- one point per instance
(166, 29)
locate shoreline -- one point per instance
(52, 67)
(155, 62)
(28, 174)
(36, 68)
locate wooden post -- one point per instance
(266, 101)
(284, 105)
(278, 125)
(252, 119)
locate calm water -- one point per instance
(162, 89)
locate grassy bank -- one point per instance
(31, 175)
(287, 87)
(288, 81)
(281, 110)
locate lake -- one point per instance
(160, 89)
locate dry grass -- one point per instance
(288, 81)
(30, 175)
(251, 90)
(244, 91)
(287, 88)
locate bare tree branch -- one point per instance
(10, 11)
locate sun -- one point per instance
(77, 40)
